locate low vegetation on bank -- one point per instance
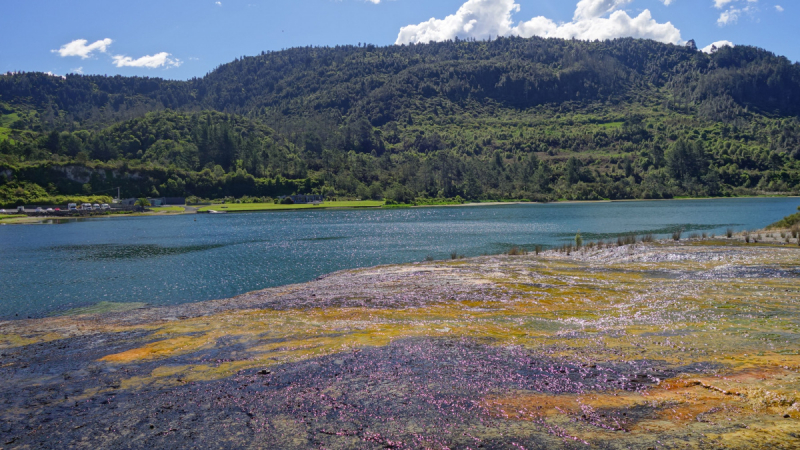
(24, 193)
(243, 207)
(787, 222)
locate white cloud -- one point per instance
(735, 10)
(78, 70)
(80, 48)
(151, 62)
(218, 3)
(779, 8)
(55, 75)
(719, 4)
(728, 17)
(483, 19)
(667, 2)
(711, 48)
(590, 9)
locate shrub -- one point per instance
(729, 233)
(578, 240)
(787, 222)
(676, 236)
(538, 249)
(516, 251)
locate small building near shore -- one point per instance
(160, 201)
(304, 199)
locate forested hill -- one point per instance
(509, 118)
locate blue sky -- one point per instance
(180, 39)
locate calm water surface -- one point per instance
(177, 259)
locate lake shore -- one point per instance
(242, 208)
(622, 346)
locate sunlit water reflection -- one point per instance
(179, 259)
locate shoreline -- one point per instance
(190, 210)
(754, 239)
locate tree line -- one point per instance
(513, 118)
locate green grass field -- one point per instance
(243, 207)
(11, 216)
(168, 209)
(4, 133)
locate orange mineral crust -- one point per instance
(661, 345)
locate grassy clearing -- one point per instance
(7, 119)
(4, 133)
(243, 207)
(169, 209)
(10, 216)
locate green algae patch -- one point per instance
(15, 340)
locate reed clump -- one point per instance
(676, 235)
(566, 248)
(647, 238)
(626, 240)
(729, 233)
(517, 251)
(538, 249)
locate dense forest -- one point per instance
(511, 118)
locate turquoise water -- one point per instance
(177, 259)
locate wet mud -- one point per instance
(658, 346)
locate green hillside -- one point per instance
(508, 119)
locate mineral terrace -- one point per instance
(666, 345)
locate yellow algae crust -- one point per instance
(731, 311)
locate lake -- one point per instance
(46, 269)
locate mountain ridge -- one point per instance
(586, 108)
